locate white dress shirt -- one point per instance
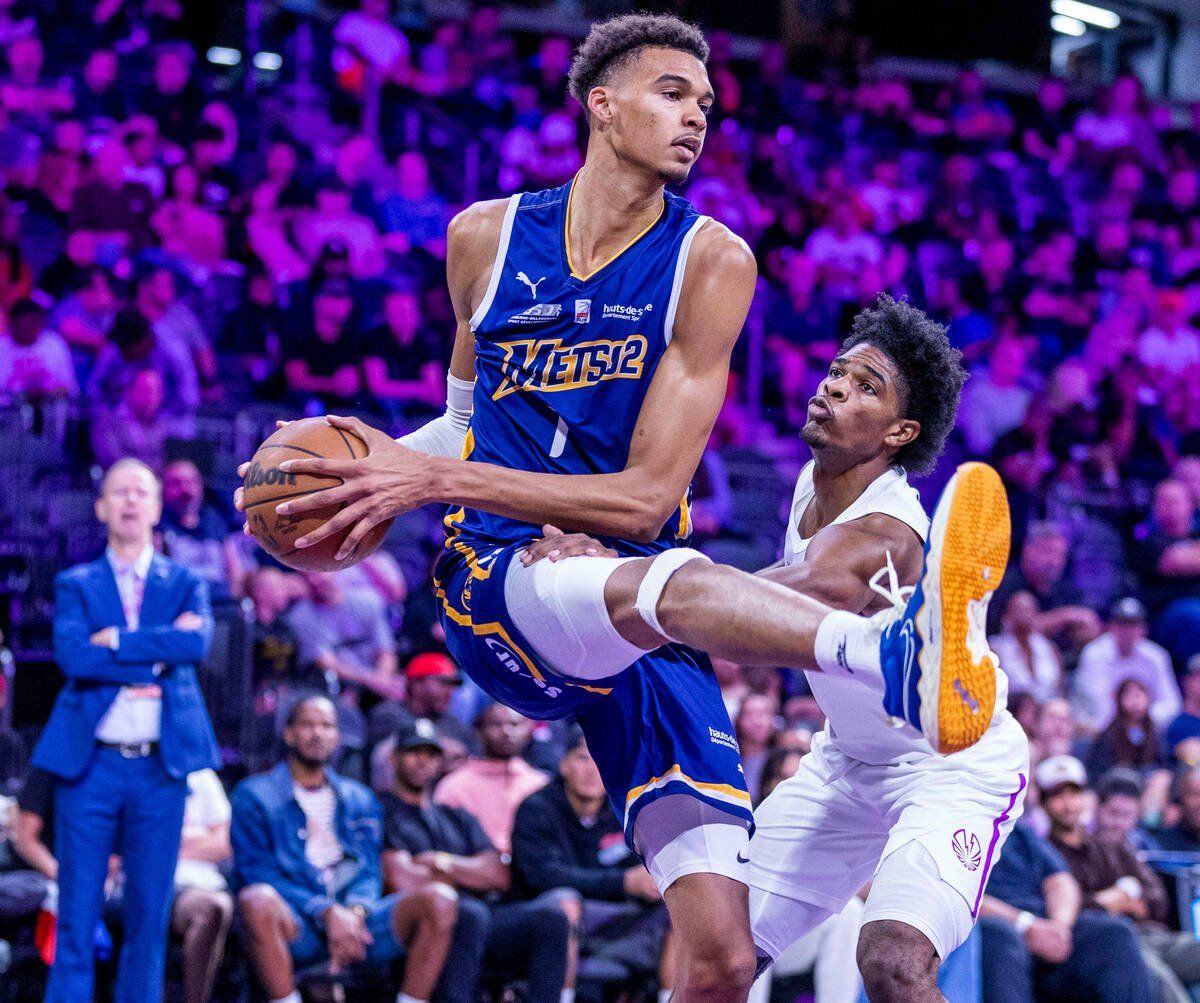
(136, 713)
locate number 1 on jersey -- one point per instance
(560, 440)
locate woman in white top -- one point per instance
(203, 908)
(1029, 659)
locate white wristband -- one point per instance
(1023, 922)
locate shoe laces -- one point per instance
(897, 595)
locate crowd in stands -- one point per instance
(176, 255)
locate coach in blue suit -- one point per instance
(127, 728)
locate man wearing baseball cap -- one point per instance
(530, 940)
(1123, 652)
(1112, 878)
(430, 681)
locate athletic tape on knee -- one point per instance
(651, 590)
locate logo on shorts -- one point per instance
(722, 738)
(841, 656)
(741, 859)
(966, 848)
(508, 658)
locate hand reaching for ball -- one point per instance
(389, 480)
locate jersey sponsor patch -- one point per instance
(617, 311)
(583, 311)
(539, 313)
(548, 366)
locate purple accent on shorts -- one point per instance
(987, 864)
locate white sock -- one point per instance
(405, 998)
(292, 997)
(567, 996)
(847, 645)
(664, 995)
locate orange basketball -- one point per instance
(266, 486)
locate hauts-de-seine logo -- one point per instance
(966, 848)
(618, 311)
(548, 366)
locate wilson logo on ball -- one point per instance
(259, 475)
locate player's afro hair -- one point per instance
(611, 44)
(930, 369)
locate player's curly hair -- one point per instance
(612, 44)
(930, 368)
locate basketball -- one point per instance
(266, 486)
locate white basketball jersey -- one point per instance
(855, 720)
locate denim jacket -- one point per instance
(268, 834)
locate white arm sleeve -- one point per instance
(445, 435)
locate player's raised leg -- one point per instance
(931, 646)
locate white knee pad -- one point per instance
(651, 590)
(559, 607)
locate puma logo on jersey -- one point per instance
(522, 277)
(548, 366)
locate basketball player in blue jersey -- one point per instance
(596, 323)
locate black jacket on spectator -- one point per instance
(552, 848)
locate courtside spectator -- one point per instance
(534, 941)
(495, 783)
(137, 427)
(1184, 836)
(1168, 561)
(322, 352)
(1183, 733)
(1038, 945)
(196, 533)
(1119, 810)
(430, 680)
(566, 835)
(1028, 657)
(203, 907)
(1112, 878)
(306, 851)
(1123, 652)
(1132, 739)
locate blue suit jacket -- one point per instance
(87, 600)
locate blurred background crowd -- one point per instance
(187, 254)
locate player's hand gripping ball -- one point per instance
(265, 485)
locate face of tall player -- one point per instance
(654, 112)
(130, 504)
(857, 413)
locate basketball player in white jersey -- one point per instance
(873, 802)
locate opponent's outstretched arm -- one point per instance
(670, 435)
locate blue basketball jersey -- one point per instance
(564, 360)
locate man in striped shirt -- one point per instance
(307, 845)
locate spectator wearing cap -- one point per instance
(430, 680)
(322, 355)
(1123, 652)
(1042, 570)
(1119, 810)
(533, 941)
(1168, 561)
(1112, 878)
(1039, 945)
(1183, 734)
(494, 784)
(1028, 657)
(1184, 835)
(34, 363)
(566, 835)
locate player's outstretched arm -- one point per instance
(670, 435)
